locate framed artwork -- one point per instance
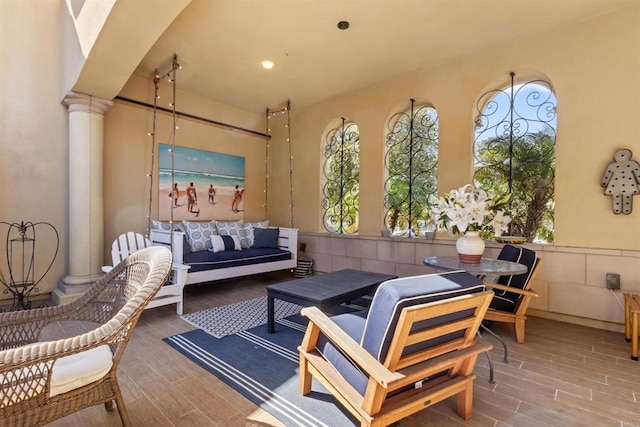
(207, 185)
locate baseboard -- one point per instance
(577, 320)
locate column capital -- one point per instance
(86, 103)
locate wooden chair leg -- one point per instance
(108, 405)
(465, 402)
(627, 320)
(519, 326)
(305, 377)
(634, 336)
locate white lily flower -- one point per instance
(468, 208)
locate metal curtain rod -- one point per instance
(191, 116)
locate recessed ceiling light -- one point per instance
(267, 64)
(343, 25)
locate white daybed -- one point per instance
(287, 241)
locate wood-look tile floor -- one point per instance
(565, 375)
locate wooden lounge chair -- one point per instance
(513, 293)
(415, 348)
(42, 379)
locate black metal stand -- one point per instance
(504, 345)
(20, 261)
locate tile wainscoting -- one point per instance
(571, 282)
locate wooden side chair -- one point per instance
(44, 379)
(513, 293)
(416, 347)
(171, 293)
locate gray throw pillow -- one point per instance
(266, 237)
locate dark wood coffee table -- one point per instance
(323, 290)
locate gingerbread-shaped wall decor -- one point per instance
(621, 180)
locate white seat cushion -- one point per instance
(80, 369)
(69, 373)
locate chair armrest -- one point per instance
(352, 349)
(106, 268)
(530, 293)
(445, 361)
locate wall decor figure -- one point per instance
(205, 185)
(621, 181)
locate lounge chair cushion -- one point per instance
(394, 295)
(506, 301)
(375, 331)
(352, 324)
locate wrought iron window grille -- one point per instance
(514, 151)
(340, 192)
(411, 162)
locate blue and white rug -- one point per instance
(232, 318)
(264, 368)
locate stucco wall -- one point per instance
(33, 128)
(595, 69)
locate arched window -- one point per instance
(341, 186)
(514, 149)
(411, 161)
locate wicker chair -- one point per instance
(41, 379)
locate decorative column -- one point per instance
(86, 220)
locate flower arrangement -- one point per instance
(471, 209)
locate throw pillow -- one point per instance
(235, 228)
(225, 243)
(266, 238)
(199, 235)
(252, 225)
(163, 225)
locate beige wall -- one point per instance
(595, 69)
(33, 128)
(127, 152)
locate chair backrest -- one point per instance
(507, 301)
(126, 244)
(396, 296)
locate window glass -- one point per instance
(341, 184)
(514, 149)
(411, 162)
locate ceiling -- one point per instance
(219, 43)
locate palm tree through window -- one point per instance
(340, 192)
(514, 151)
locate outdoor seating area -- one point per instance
(310, 213)
(544, 379)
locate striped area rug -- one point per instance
(264, 368)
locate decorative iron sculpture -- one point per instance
(340, 193)
(514, 149)
(621, 181)
(24, 273)
(411, 161)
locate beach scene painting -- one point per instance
(205, 185)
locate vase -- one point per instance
(470, 247)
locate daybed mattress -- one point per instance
(207, 260)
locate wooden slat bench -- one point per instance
(631, 310)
